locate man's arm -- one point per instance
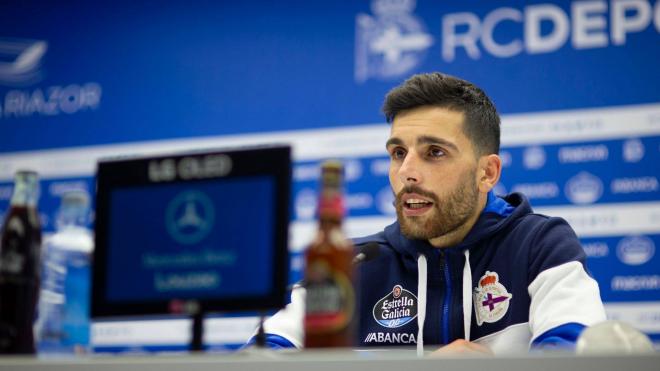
(564, 297)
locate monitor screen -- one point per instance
(206, 227)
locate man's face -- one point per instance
(433, 172)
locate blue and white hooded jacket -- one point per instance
(518, 280)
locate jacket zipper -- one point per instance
(445, 305)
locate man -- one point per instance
(460, 266)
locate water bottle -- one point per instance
(63, 324)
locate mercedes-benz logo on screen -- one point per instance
(190, 217)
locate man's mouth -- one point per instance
(414, 204)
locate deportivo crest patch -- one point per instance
(491, 300)
(396, 309)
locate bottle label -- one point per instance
(12, 263)
(330, 299)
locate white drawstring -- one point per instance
(421, 302)
(467, 296)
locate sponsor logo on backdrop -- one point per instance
(359, 201)
(396, 309)
(500, 189)
(635, 250)
(644, 184)
(594, 220)
(60, 188)
(22, 65)
(534, 157)
(5, 192)
(307, 172)
(311, 172)
(190, 217)
(506, 158)
(352, 170)
(636, 283)
(543, 190)
(596, 249)
(583, 188)
(633, 150)
(546, 28)
(380, 167)
(24, 70)
(385, 201)
(577, 154)
(390, 43)
(305, 204)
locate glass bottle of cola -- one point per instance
(330, 297)
(20, 248)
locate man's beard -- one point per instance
(446, 215)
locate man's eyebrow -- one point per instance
(424, 139)
(428, 139)
(393, 141)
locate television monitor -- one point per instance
(208, 227)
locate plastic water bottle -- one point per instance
(63, 324)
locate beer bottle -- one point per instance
(330, 297)
(20, 247)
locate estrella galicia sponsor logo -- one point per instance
(635, 250)
(396, 309)
(390, 43)
(633, 150)
(583, 188)
(190, 217)
(534, 157)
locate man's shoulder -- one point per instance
(534, 222)
(378, 238)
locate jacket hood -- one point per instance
(498, 213)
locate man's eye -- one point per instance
(398, 153)
(436, 152)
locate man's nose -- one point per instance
(409, 171)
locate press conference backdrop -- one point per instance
(577, 84)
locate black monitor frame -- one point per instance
(274, 161)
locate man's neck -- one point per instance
(456, 236)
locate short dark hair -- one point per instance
(482, 122)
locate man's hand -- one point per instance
(462, 347)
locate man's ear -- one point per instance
(490, 169)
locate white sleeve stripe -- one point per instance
(564, 294)
(287, 323)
